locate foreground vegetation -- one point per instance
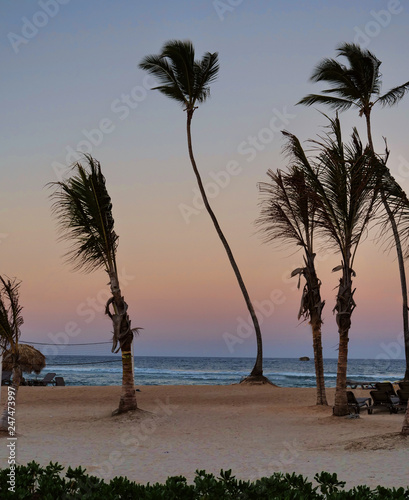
(47, 483)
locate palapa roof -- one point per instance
(30, 359)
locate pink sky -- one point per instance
(77, 72)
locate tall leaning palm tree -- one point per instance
(359, 86)
(288, 214)
(83, 210)
(345, 179)
(11, 321)
(187, 81)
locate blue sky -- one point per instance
(75, 78)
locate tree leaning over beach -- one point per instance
(288, 215)
(187, 81)
(83, 210)
(345, 178)
(359, 86)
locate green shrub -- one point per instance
(34, 482)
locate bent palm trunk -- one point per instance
(401, 263)
(124, 336)
(256, 374)
(403, 284)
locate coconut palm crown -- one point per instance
(358, 85)
(83, 212)
(182, 78)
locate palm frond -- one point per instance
(337, 75)
(83, 210)
(163, 72)
(287, 209)
(363, 70)
(206, 72)
(181, 56)
(345, 179)
(335, 103)
(394, 95)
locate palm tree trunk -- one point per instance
(405, 427)
(368, 129)
(315, 306)
(257, 372)
(318, 361)
(123, 334)
(127, 401)
(403, 284)
(4, 424)
(344, 307)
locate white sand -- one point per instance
(252, 430)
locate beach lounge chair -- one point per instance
(357, 404)
(48, 379)
(59, 381)
(5, 378)
(353, 384)
(386, 387)
(403, 396)
(382, 399)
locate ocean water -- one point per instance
(163, 370)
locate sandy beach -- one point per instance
(252, 430)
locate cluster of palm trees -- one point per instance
(334, 195)
(327, 197)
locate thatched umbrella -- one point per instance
(30, 359)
